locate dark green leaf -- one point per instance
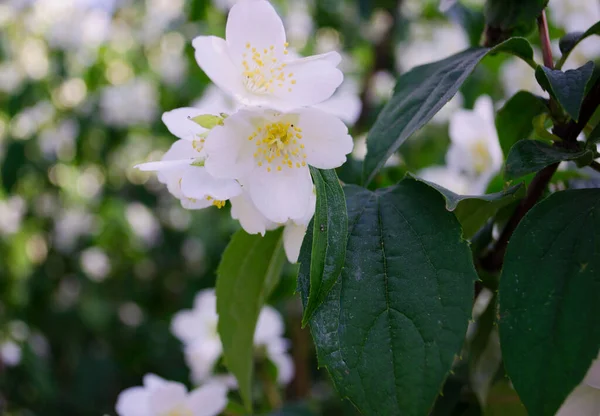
(510, 14)
(420, 94)
(567, 87)
(397, 315)
(514, 120)
(330, 231)
(250, 265)
(474, 211)
(570, 40)
(529, 156)
(549, 292)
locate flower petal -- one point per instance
(316, 78)
(184, 326)
(250, 218)
(133, 402)
(325, 137)
(179, 123)
(280, 196)
(167, 397)
(201, 357)
(584, 400)
(229, 152)
(197, 183)
(152, 381)
(345, 104)
(293, 235)
(164, 165)
(212, 54)
(254, 22)
(285, 367)
(269, 326)
(208, 400)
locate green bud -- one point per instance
(199, 163)
(208, 121)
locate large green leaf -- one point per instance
(397, 315)
(474, 211)
(330, 231)
(420, 94)
(510, 14)
(549, 298)
(514, 120)
(247, 272)
(529, 156)
(567, 87)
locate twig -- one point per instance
(545, 40)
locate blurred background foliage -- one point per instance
(96, 257)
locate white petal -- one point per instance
(250, 218)
(164, 165)
(584, 400)
(465, 127)
(180, 154)
(133, 402)
(484, 108)
(201, 357)
(212, 54)
(316, 81)
(255, 22)
(345, 104)
(325, 137)
(208, 400)
(293, 235)
(592, 378)
(194, 204)
(229, 152)
(152, 381)
(167, 397)
(186, 326)
(445, 5)
(197, 183)
(281, 196)
(268, 327)
(179, 124)
(206, 301)
(285, 367)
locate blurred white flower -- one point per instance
(445, 5)
(197, 330)
(159, 397)
(69, 226)
(224, 5)
(12, 211)
(95, 263)
(129, 104)
(429, 42)
(143, 222)
(344, 104)
(216, 101)
(10, 353)
(299, 23)
(585, 399)
(253, 65)
(516, 75)
(587, 50)
(11, 76)
(269, 153)
(360, 151)
(574, 15)
(450, 179)
(58, 140)
(475, 150)
(381, 87)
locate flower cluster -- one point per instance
(257, 158)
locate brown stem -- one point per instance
(545, 40)
(494, 259)
(301, 353)
(595, 165)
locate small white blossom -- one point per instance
(585, 399)
(159, 397)
(10, 353)
(269, 152)
(253, 64)
(197, 330)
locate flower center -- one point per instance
(481, 157)
(179, 411)
(264, 71)
(217, 203)
(278, 146)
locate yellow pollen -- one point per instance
(277, 146)
(286, 44)
(248, 45)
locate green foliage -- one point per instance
(549, 299)
(514, 121)
(420, 94)
(397, 315)
(330, 229)
(473, 212)
(511, 14)
(568, 42)
(567, 87)
(249, 270)
(529, 156)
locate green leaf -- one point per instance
(473, 212)
(548, 298)
(567, 87)
(250, 266)
(529, 156)
(397, 315)
(330, 231)
(510, 14)
(514, 120)
(571, 40)
(420, 94)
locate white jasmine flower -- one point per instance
(182, 167)
(197, 329)
(474, 149)
(269, 152)
(129, 104)
(159, 397)
(585, 399)
(345, 103)
(253, 63)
